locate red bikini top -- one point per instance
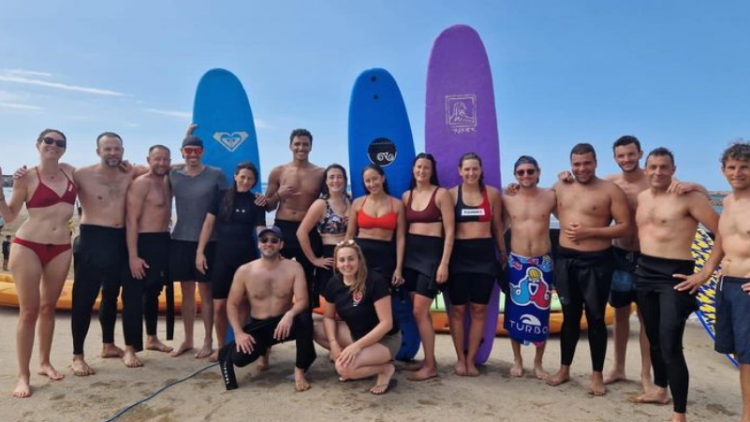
(386, 222)
(44, 196)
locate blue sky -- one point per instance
(673, 73)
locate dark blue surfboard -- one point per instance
(225, 123)
(379, 132)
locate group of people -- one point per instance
(624, 239)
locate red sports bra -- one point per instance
(431, 214)
(44, 196)
(386, 222)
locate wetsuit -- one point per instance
(665, 311)
(474, 267)
(262, 331)
(583, 281)
(423, 253)
(235, 244)
(623, 292)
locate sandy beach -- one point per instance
(494, 396)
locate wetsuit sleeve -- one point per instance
(260, 216)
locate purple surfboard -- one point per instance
(460, 117)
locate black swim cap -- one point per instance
(525, 159)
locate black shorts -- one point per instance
(380, 256)
(733, 319)
(421, 262)
(182, 261)
(229, 257)
(622, 292)
(293, 250)
(473, 271)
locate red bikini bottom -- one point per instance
(45, 251)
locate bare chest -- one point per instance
(576, 201)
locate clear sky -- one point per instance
(673, 73)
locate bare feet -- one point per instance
(50, 372)
(131, 360)
(423, 374)
(214, 356)
(205, 351)
(647, 384)
(80, 367)
(679, 417)
(110, 350)
(300, 382)
(263, 361)
(383, 382)
(597, 385)
(615, 376)
(460, 369)
(471, 369)
(23, 389)
(561, 377)
(414, 366)
(184, 347)
(540, 373)
(517, 369)
(656, 396)
(156, 344)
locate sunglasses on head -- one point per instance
(345, 242)
(192, 150)
(523, 172)
(49, 141)
(269, 239)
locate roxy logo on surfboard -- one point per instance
(461, 113)
(382, 151)
(231, 140)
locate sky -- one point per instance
(672, 73)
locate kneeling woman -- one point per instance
(473, 265)
(363, 300)
(235, 216)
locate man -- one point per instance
(276, 292)
(293, 187)
(100, 256)
(6, 252)
(149, 210)
(666, 228)
(194, 186)
(586, 208)
(530, 268)
(733, 311)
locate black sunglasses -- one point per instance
(524, 172)
(266, 239)
(50, 141)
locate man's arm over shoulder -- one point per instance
(701, 209)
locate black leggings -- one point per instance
(292, 250)
(100, 256)
(262, 332)
(665, 311)
(583, 280)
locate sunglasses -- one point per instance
(192, 150)
(524, 172)
(269, 239)
(49, 141)
(346, 242)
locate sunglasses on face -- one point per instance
(524, 172)
(49, 141)
(192, 150)
(269, 239)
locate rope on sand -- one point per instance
(157, 392)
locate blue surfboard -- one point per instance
(225, 124)
(380, 133)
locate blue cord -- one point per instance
(157, 392)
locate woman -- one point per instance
(329, 215)
(40, 259)
(429, 242)
(363, 300)
(234, 214)
(474, 267)
(373, 221)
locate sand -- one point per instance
(267, 396)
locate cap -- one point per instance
(192, 141)
(525, 159)
(275, 230)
